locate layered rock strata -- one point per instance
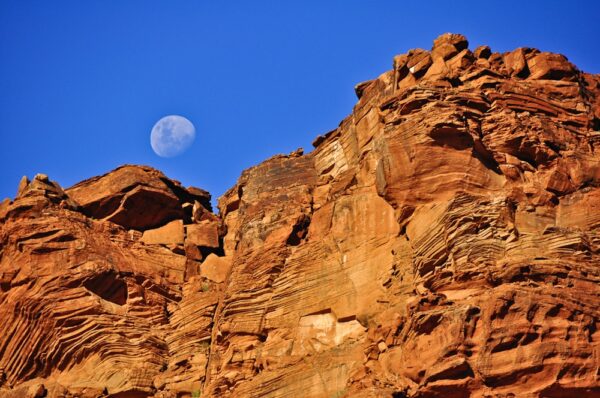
(443, 241)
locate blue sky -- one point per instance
(83, 82)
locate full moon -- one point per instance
(172, 135)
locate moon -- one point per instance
(172, 135)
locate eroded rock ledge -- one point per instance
(443, 241)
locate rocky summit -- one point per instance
(442, 241)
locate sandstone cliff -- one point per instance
(443, 241)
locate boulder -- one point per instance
(215, 268)
(515, 62)
(482, 52)
(203, 234)
(171, 233)
(136, 197)
(550, 66)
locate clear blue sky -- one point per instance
(83, 82)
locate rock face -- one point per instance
(443, 241)
(91, 308)
(135, 197)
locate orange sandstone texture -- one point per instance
(443, 241)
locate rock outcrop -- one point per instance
(136, 197)
(443, 241)
(92, 308)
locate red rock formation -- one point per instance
(443, 241)
(91, 308)
(135, 197)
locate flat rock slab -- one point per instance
(203, 234)
(215, 268)
(171, 233)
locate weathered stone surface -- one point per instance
(204, 234)
(89, 309)
(550, 66)
(448, 45)
(215, 268)
(440, 194)
(171, 233)
(443, 241)
(516, 63)
(136, 197)
(23, 184)
(418, 62)
(483, 52)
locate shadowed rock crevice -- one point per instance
(299, 231)
(108, 287)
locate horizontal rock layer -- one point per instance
(443, 241)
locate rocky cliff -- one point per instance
(443, 241)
